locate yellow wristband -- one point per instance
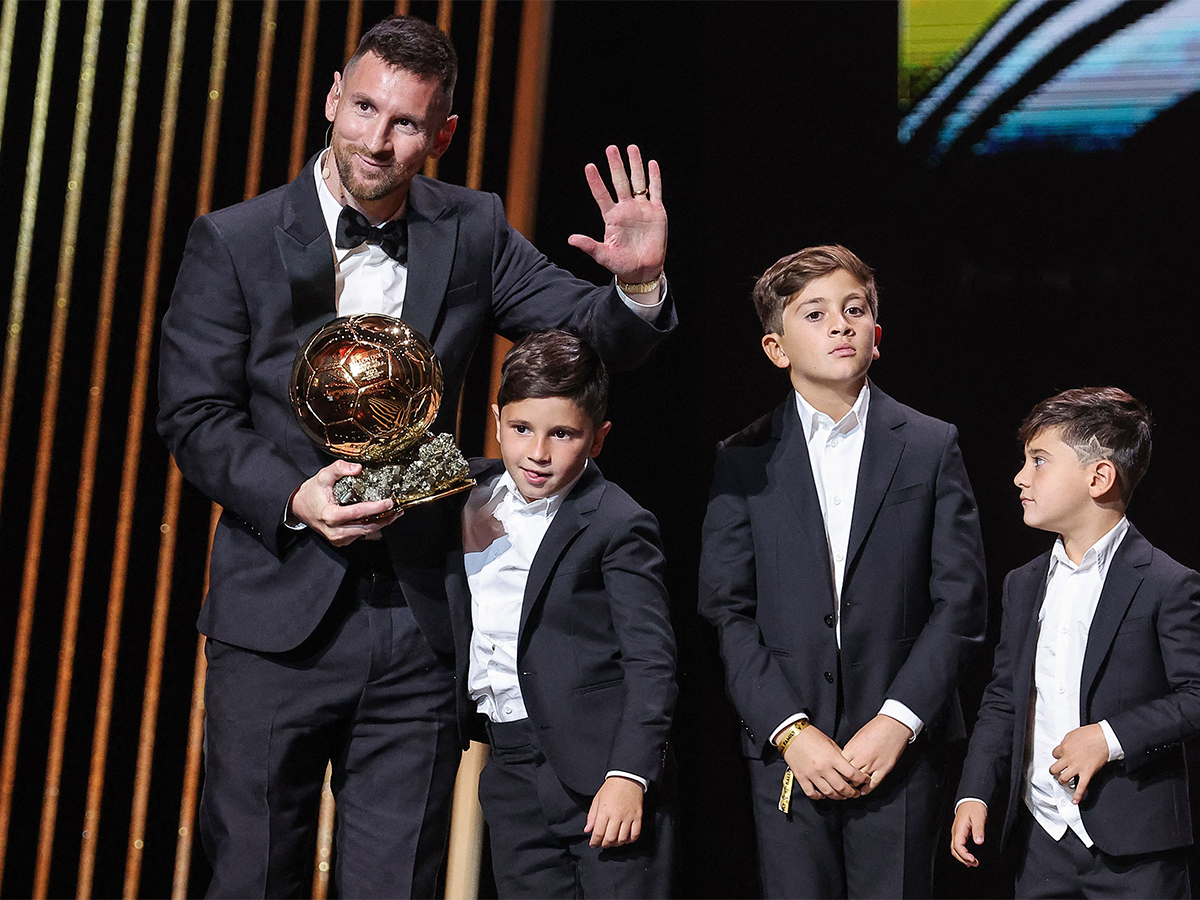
(790, 736)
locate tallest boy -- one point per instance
(323, 645)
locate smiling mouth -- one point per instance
(536, 476)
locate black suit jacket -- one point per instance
(914, 601)
(1141, 672)
(595, 649)
(256, 280)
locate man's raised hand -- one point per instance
(635, 223)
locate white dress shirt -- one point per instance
(835, 452)
(1065, 617)
(501, 535)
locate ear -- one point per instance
(878, 338)
(598, 437)
(496, 414)
(774, 350)
(1104, 480)
(332, 98)
(443, 139)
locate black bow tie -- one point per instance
(353, 229)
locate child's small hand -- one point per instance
(820, 768)
(969, 821)
(1082, 753)
(876, 747)
(615, 817)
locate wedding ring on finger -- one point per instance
(642, 192)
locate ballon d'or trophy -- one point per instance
(366, 388)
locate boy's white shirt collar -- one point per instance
(1099, 554)
(545, 506)
(856, 416)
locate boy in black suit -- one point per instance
(843, 567)
(572, 658)
(1101, 637)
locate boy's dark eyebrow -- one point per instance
(853, 295)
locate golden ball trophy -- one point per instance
(366, 389)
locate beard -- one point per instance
(388, 181)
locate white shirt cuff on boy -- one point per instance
(1115, 750)
(639, 779)
(894, 709)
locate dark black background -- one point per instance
(1002, 280)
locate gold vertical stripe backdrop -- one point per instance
(12, 348)
(41, 479)
(87, 472)
(98, 291)
(8, 30)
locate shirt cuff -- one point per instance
(896, 710)
(290, 520)
(647, 311)
(639, 779)
(1115, 750)
(785, 725)
(965, 799)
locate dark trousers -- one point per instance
(365, 692)
(881, 845)
(535, 823)
(1066, 868)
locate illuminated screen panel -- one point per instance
(989, 76)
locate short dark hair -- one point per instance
(555, 363)
(779, 285)
(412, 44)
(1098, 423)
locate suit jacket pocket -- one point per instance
(904, 494)
(598, 686)
(462, 295)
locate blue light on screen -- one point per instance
(1113, 89)
(1095, 101)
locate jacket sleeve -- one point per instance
(532, 294)
(957, 589)
(729, 600)
(1168, 719)
(989, 754)
(205, 394)
(633, 579)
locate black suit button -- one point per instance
(829, 620)
(829, 677)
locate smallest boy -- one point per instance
(572, 656)
(1101, 635)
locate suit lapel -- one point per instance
(432, 235)
(571, 518)
(1031, 593)
(791, 468)
(1120, 585)
(307, 254)
(883, 445)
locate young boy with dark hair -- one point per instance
(572, 657)
(843, 568)
(1097, 674)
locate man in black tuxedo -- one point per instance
(329, 632)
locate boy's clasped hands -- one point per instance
(826, 771)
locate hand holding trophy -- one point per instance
(366, 389)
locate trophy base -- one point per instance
(435, 470)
